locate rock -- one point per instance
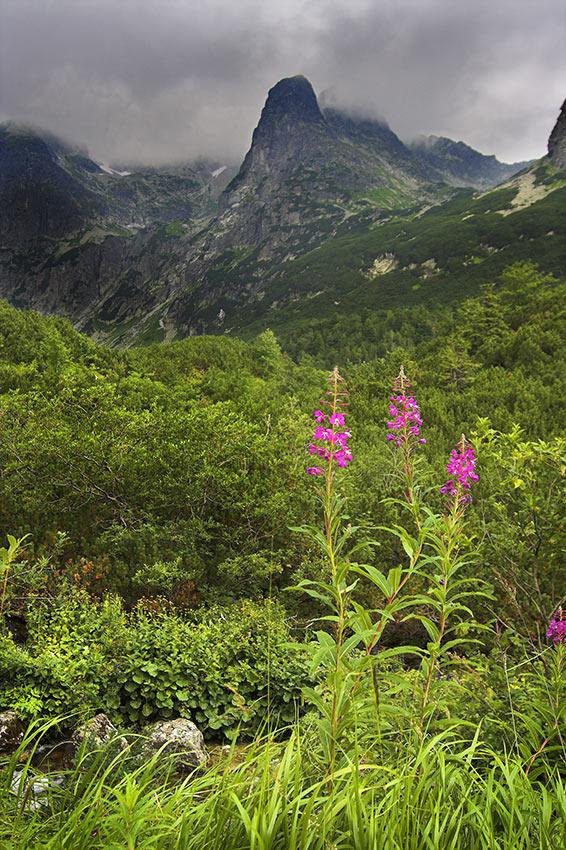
(458, 164)
(557, 141)
(11, 730)
(382, 265)
(179, 739)
(98, 732)
(28, 790)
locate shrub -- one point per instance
(226, 668)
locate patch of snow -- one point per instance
(218, 171)
(108, 170)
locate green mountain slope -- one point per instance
(443, 254)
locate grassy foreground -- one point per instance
(439, 796)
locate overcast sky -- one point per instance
(160, 81)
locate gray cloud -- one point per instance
(156, 83)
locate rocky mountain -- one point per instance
(136, 255)
(38, 198)
(460, 165)
(557, 141)
(306, 170)
(62, 189)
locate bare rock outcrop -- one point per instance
(557, 141)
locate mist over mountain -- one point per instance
(148, 254)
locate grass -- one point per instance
(437, 796)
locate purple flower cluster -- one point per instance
(405, 420)
(557, 630)
(332, 443)
(460, 468)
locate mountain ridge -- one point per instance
(457, 164)
(557, 140)
(161, 254)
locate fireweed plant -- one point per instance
(449, 589)
(437, 553)
(345, 657)
(545, 674)
(331, 653)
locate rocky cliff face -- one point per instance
(291, 125)
(557, 141)
(307, 170)
(38, 198)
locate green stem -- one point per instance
(449, 548)
(331, 536)
(6, 571)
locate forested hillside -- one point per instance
(183, 465)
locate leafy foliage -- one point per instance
(225, 668)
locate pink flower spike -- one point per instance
(329, 443)
(557, 629)
(405, 416)
(461, 469)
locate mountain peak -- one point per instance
(290, 124)
(457, 164)
(292, 98)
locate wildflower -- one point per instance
(405, 418)
(330, 438)
(405, 415)
(460, 468)
(557, 629)
(336, 419)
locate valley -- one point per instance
(299, 231)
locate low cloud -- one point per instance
(159, 83)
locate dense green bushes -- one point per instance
(177, 470)
(193, 465)
(226, 668)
